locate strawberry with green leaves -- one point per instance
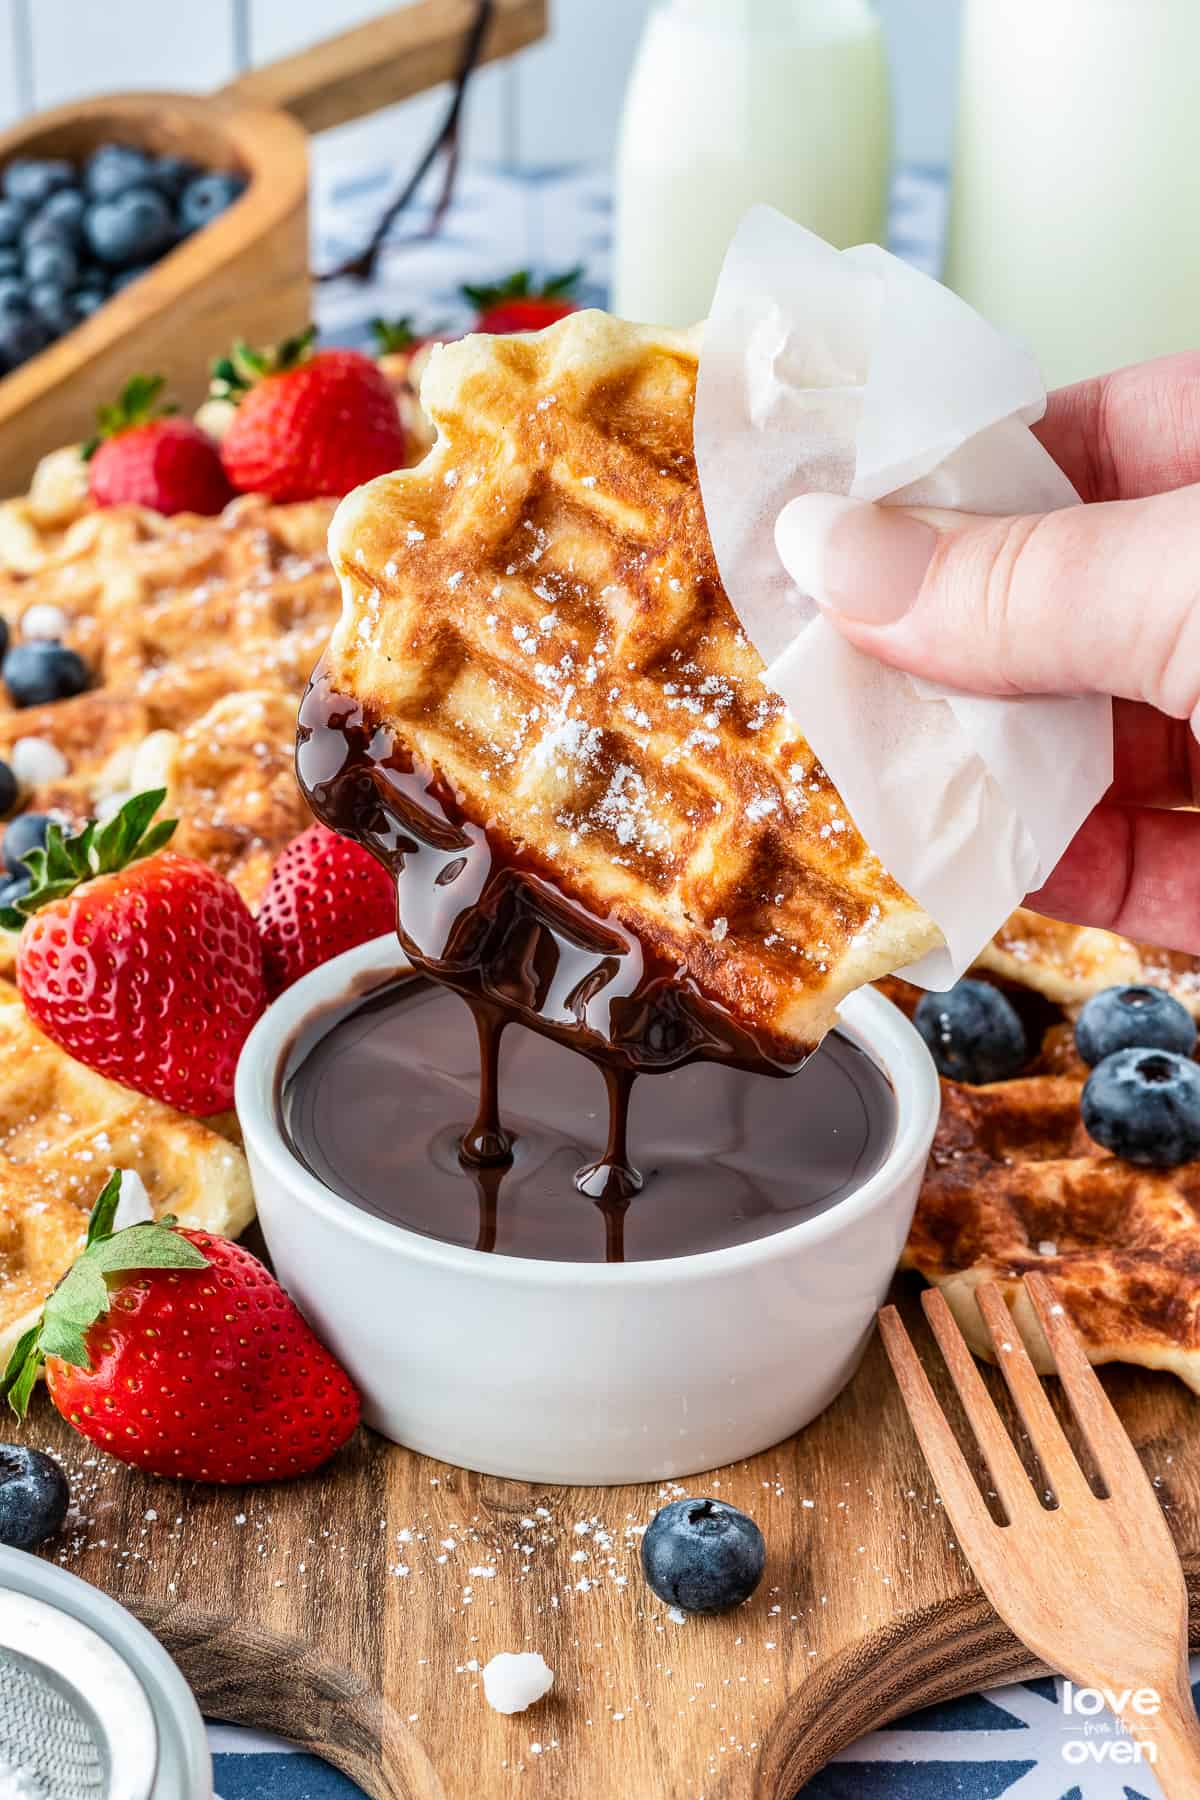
(396, 337)
(309, 424)
(517, 305)
(145, 454)
(403, 352)
(178, 1352)
(143, 964)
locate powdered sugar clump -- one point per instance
(625, 809)
(44, 621)
(513, 1682)
(35, 761)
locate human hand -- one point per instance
(1103, 598)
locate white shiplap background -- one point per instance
(557, 103)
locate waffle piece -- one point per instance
(179, 612)
(1015, 1183)
(174, 616)
(63, 1130)
(537, 615)
(231, 782)
(1069, 963)
(202, 633)
(33, 526)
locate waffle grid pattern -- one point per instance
(537, 613)
(200, 634)
(1016, 1184)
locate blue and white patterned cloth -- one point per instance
(1017, 1742)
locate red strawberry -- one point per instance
(307, 425)
(516, 305)
(143, 964)
(146, 455)
(178, 1352)
(326, 894)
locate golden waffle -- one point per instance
(1015, 1183)
(63, 1130)
(231, 782)
(201, 633)
(34, 526)
(1069, 963)
(229, 778)
(178, 612)
(536, 613)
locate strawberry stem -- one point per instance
(65, 863)
(138, 405)
(82, 1296)
(234, 375)
(393, 335)
(520, 287)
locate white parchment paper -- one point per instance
(849, 372)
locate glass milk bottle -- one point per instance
(1076, 211)
(737, 101)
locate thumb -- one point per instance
(1093, 599)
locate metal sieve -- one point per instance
(91, 1707)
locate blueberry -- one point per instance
(25, 833)
(43, 671)
(207, 198)
(66, 208)
(973, 1033)
(88, 300)
(31, 180)
(44, 230)
(4, 636)
(14, 300)
(8, 790)
(21, 338)
(1133, 1018)
(702, 1555)
(10, 264)
(172, 174)
(1144, 1105)
(133, 228)
(34, 1496)
(53, 307)
(113, 169)
(51, 262)
(14, 888)
(12, 218)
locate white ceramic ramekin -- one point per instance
(584, 1373)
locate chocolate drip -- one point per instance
(494, 927)
(613, 1178)
(376, 1095)
(484, 920)
(486, 1145)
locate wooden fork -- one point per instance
(1092, 1587)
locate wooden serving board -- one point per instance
(352, 1611)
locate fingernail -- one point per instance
(865, 562)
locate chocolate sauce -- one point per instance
(493, 926)
(378, 1096)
